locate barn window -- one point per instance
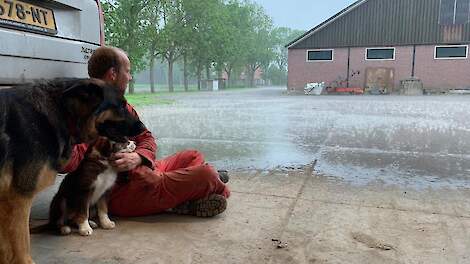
(380, 54)
(451, 52)
(320, 55)
(454, 12)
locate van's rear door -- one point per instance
(47, 39)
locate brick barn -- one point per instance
(377, 43)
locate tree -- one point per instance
(234, 41)
(277, 70)
(260, 39)
(170, 36)
(125, 27)
(202, 35)
(152, 33)
(230, 36)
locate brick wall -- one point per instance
(302, 72)
(441, 74)
(436, 74)
(401, 65)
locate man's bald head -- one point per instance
(111, 65)
(103, 59)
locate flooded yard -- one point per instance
(414, 141)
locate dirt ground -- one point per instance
(283, 216)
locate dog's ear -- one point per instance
(83, 96)
(103, 146)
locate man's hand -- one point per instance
(125, 161)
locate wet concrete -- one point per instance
(285, 216)
(414, 141)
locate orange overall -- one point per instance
(158, 185)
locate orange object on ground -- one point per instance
(179, 178)
(351, 90)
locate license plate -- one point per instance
(18, 14)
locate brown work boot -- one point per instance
(210, 206)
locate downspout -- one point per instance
(348, 68)
(414, 61)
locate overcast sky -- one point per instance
(302, 14)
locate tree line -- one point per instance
(207, 37)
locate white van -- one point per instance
(47, 39)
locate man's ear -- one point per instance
(111, 74)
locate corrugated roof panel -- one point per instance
(386, 23)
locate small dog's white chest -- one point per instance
(104, 182)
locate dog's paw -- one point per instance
(65, 230)
(85, 229)
(108, 224)
(93, 224)
(105, 222)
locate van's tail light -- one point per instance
(100, 10)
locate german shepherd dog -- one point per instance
(85, 187)
(38, 125)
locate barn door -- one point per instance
(379, 80)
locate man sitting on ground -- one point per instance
(183, 183)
